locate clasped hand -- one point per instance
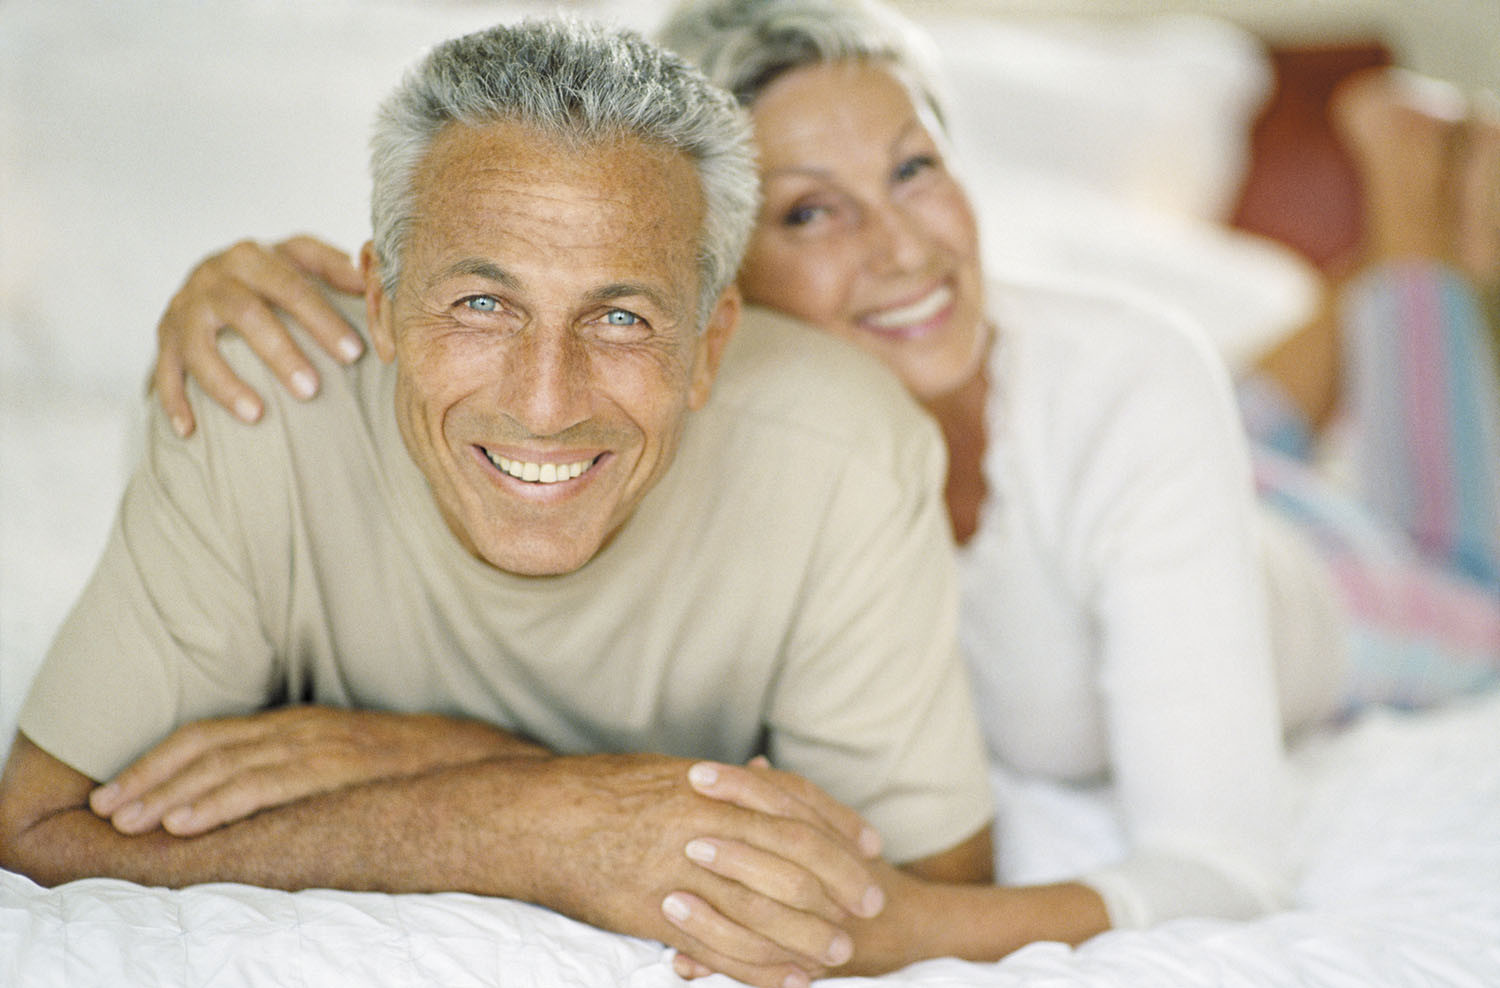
(748, 871)
(214, 772)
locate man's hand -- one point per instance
(759, 893)
(236, 289)
(921, 896)
(762, 789)
(214, 772)
(613, 840)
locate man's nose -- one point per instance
(547, 381)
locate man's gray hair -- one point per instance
(581, 84)
(744, 45)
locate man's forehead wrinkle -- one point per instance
(495, 203)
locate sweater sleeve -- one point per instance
(1162, 542)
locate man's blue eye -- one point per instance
(482, 303)
(619, 317)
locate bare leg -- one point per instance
(1414, 546)
(1477, 224)
(1401, 131)
(1418, 382)
(1402, 352)
(1478, 227)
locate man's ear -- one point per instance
(709, 349)
(377, 304)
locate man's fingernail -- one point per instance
(304, 384)
(703, 775)
(873, 902)
(246, 409)
(128, 818)
(350, 348)
(178, 819)
(795, 980)
(840, 950)
(701, 850)
(103, 799)
(676, 907)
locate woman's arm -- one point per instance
(236, 289)
(1167, 545)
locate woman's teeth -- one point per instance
(539, 473)
(917, 312)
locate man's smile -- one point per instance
(533, 472)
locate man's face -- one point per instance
(546, 330)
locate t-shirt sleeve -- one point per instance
(1165, 538)
(166, 630)
(873, 697)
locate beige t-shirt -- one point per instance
(788, 587)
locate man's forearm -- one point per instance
(601, 838)
(416, 833)
(213, 772)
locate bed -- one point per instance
(1399, 840)
(135, 136)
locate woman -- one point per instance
(1113, 559)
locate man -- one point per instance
(525, 545)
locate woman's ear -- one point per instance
(377, 304)
(711, 343)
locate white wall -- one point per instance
(1456, 39)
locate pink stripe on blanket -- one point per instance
(1407, 600)
(1427, 409)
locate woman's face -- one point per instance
(863, 232)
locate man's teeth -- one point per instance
(919, 311)
(539, 473)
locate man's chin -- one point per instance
(542, 556)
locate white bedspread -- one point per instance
(1400, 836)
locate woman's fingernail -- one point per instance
(178, 819)
(703, 775)
(869, 842)
(701, 851)
(304, 384)
(246, 409)
(795, 980)
(873, 902)
(676, 907)
(840, 950)
(180, 426)
(350, 348)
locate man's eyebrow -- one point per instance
(481, 268)
(490, 271)
(629, 289)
